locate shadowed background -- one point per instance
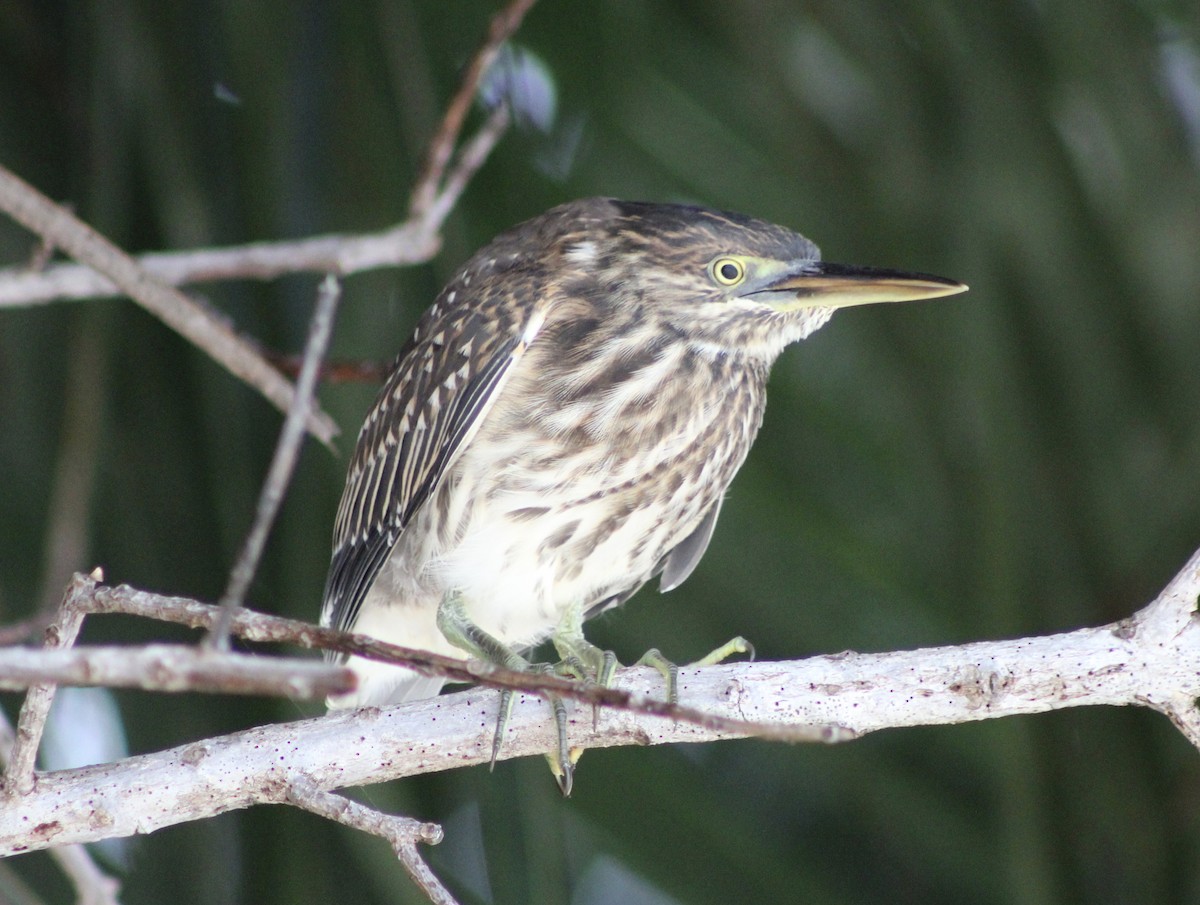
(1022, 459)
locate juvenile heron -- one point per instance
(563, 423)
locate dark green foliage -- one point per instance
(1022, 459)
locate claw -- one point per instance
(669, 671)
(738, 645)
(581, 660)
(564, 770)
(506, 705)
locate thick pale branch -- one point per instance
(1137, 661)
(92, 885)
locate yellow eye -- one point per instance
(728, 271)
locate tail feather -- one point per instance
(380, 684)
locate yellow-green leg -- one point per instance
(453, 622)
(585, 661)
(581, 660)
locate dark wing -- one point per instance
(433, 401)
(686, 554)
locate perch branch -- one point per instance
(1150, 659)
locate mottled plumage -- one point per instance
(564, 421)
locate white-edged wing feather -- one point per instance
(444, 382)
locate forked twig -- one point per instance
(404, 833)
(60, 634)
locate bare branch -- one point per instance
(282, 463)
(253, 626)
(36, 212)
(413, 242)
(402, 832)
(60, 634)
(345, 748)
(173, 668)
(469, 161)
(1151, 659)
(502, 27)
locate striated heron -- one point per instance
(562, 425)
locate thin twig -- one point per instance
(174, 668)
(403, 833)
(412, 242)
(283, 462)
(260, 627)
(36, 212)
(470, 159)
(61, 634)
(502, 27)
(339, 371)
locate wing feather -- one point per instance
(437, 395)
(687, 553)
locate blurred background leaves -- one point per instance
(1022, 459)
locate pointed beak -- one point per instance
(818, 284)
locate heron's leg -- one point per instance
(459, 630)
(581, 658)
(586, 662)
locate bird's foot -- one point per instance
(460, 631)
(584, 662)
(670, 671)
